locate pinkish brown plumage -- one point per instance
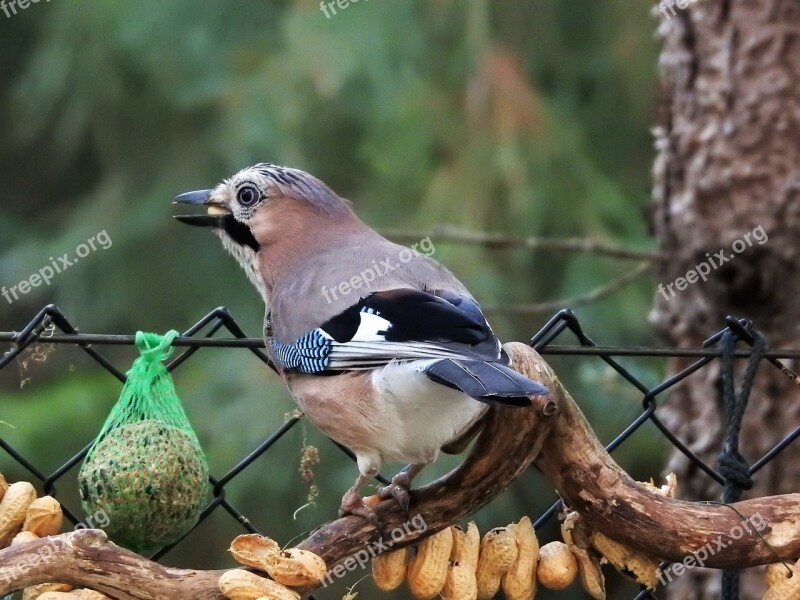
(394, 368)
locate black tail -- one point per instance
(491, 383)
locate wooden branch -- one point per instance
(457, 235)
(572, 458)
(595, 295)
(589, 481)
(85, 558)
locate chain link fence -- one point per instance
(202, 334)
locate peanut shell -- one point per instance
(13, 508)
(86, 594)
(295, 567)
(590, 572)
(498, 553)
(461, 582)
(252, 550)
(644, 569)
(238, 584)
(783, 587)
(519, 582)
(44, 517)
(23, 537)
(389, 569)
(36, 591)
(428, 569)
(557, 566)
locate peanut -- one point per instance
(13, 509)
(572, 529)
(498, 553)
(372, 501)
(252, 550)
(467, 546)
(780, 585)
(590, 572)
(775, 573)
(239, 584)
(291, 567)
(519, 582)
(24, 536)
(643, 568)
(461, 582)
(56, 596)
(557, 566)
(575, 534)
(36, 591)
(44, 517)
(86, 594)
(3, 486)
(389, 569)
(428, 569)
(295, 567)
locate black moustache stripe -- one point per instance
(239, 232)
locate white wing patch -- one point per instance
(368, 348)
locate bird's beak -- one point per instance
(198, 197)
(213, 218)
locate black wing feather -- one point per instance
(488, 382)
(445, 318)
(419, 316)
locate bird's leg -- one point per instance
(400, 487)
(353, 503)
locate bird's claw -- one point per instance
(399, 490)
(353, 504)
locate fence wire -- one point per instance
(201, 334)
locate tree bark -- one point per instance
(728, 163)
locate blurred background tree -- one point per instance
(525, 118)
(728, 165)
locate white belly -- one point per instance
(419, 415)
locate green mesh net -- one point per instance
(146, 469)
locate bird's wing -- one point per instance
(400, 324)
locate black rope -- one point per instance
(732, 465)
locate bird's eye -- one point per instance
(247, 196)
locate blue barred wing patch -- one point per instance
(309, 354)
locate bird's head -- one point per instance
(266, 207)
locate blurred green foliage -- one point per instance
(528, 117)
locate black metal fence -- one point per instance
(720, 346)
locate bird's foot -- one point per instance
(399, 489)
(354, 504)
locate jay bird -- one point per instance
(395, 362)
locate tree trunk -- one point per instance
(728, 164)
